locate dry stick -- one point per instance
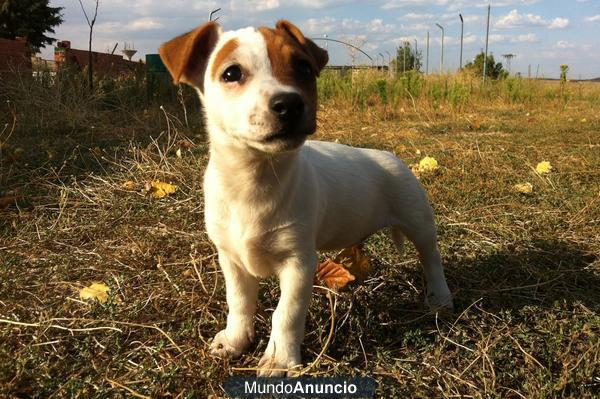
(448, 339)
(527, 354)
(131, 391)
(124, 323)
(332, 306)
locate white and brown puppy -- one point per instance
(273, 199)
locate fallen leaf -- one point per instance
(428, 164)
(524, 188)
(333, 274)
(159, 189)
(583, 120)
(97, 291)
(543, 168)
(355, 261)
(178, 153)
(7, 201)
(129, 185)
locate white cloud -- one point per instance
(558, 23)
(524, 38)
(392, 4)
(254, 5)
(514, 20)
(593, 18)
(142, 24)
(564, 44)
(412, 15)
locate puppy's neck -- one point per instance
(246, 171)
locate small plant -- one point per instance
(564, 68)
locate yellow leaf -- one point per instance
(159, 189)
(97, 291)
(583, 120)
(543, 168)
(524, 188)
(178, 153)
(428, 164)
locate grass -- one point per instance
(524, 269)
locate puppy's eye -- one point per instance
(232, 74)
(304, 69)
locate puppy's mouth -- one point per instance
(287, 135)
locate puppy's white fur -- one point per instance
(269, 211)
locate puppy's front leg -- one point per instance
(242, 293)
(287, 333)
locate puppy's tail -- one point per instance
(398, 238)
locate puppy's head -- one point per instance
(258, 86)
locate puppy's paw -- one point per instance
(440, 302)
(226, 345)
(279, 364)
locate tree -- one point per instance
(30, 19)
(494, 70)
(90, 23)
(407, 59)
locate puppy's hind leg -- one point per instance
(423, 235)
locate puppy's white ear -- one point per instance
(186, 56)
(318, 54)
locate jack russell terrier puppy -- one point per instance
(273, 199)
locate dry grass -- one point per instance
(525, 269)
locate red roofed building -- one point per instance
(15, 55)
(104, 63)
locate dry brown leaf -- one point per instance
(129, 185)
(333, 274)
(7, 201)
(355, 261)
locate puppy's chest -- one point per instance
(256, 241)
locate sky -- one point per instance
(542, 34)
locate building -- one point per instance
(104, 63)
(15, 55)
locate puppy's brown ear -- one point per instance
(319, 55)
(186, 56)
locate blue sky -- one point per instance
(540, 32)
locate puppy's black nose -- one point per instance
(288, 107)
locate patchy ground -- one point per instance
(524, 268)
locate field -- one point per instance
(75, 208)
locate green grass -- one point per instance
(524, 269)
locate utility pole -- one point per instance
(404, 57)
(442, 55)
(212, 13)
(389, 63)
(415, 57)
(427, 56)
(487, 37)
(462, 30)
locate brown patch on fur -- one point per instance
(186, 56)
(223, 55)
(286, 46)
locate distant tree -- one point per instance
(30, 19)
(407, 59)
(494, 70)
(91, 22)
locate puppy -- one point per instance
(272, 199)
